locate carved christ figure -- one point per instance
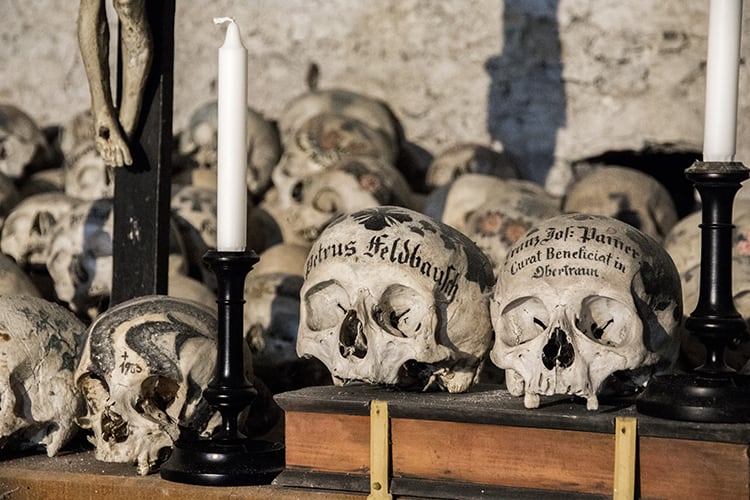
(112, 131)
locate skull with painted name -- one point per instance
(39, 345)
(142, 372)
(394, 297)
(579, 298)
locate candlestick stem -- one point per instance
(228, 457)
(713, 392)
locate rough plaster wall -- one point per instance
(553, 80)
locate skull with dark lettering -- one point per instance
(579, 298)
(142, 372)
(394, 297)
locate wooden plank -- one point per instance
(515, 457)
(79, 476)
(680, 468)
(625, 458)
(380, 452)
(328, 442)
(140, 245)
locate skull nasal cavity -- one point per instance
(558, 351)
(352, 340)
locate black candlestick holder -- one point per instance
(228, 457)
(713, 392)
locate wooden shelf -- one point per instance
(485, 443)
(79, 476)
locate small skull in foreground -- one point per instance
(394, 297)
(142, 372)
(579, 298)
(39, 344)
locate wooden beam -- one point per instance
(142, 191)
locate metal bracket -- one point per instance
(380, 451)
(625, 455)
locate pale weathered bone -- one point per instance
(626, 194)
(351, 184)
(86, 175)
(393, 297)
(368, 110)
(23, 144)
(9, 197)
(465, 158)
(142, 372)
(27, 232)
(40, 342)
(271, 318)
(197, 147)
(683, 242)
(579, 298)
(492, 212)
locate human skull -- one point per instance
(14, 281)
(9, 197)
(27, 232)
(43, 181)
(683, 242)
(372, 112)
(80, 259)
(579, 298)
(464, 158)
(351, 184)
(80, 256)
(23, 145)
(142, 372)
(194, 212)
(492, 212)
(393, 297)
(40, 342)
(199, 145)
(76, 131)
(86, 175)
(625, 194)
(271, 312)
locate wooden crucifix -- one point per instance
(133, 134)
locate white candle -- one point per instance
(231, 182)
(722, 76)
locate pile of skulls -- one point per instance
(380, 263)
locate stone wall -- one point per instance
(554, 81)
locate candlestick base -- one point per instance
(228, 457)
(713, 392)
(216, 462)
(698, 397)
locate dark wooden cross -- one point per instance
(142, 190)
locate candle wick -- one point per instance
(222, 20)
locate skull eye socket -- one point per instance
(524, 319)
(605, 320)
(326, 304)
(326, 201)
(401, 311)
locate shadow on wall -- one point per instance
(526, 97)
